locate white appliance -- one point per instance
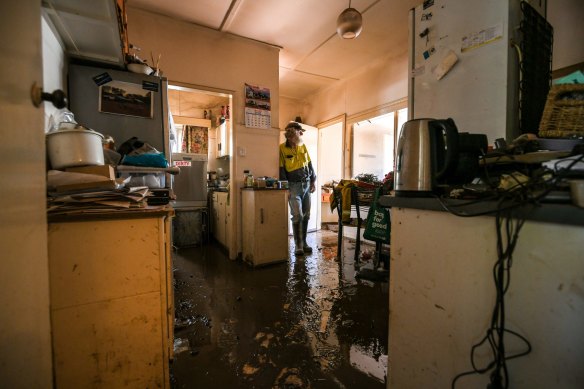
(190, 185)
(139, 108)
(463, 65)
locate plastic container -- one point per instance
(151, 180)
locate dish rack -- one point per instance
(563, 115)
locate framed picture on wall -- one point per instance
(124, 98)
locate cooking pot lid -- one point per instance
(67, 127)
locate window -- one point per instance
(374, 138)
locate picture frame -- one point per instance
(124, 98)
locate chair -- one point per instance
(361, 198)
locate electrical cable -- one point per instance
(509, 221)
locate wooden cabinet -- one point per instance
(223, 139)
(112, 311)
(264, 226)
(220, 217)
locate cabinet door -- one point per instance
(220, 141)
(111, 302)
(223, 138)
(215, 215)
(221, 218)
(271, 225)
(265, 221)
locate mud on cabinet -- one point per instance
(112, 312)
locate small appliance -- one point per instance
(427, 153)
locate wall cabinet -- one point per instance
(112, 310)
(223, 139)
(264, 226)
(221, 217)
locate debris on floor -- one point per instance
(307, 323)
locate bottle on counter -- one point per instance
(248, 179)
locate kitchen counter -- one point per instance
(146, 212)
(270, 189)
(565, 213)
(112, 305)
(442, 293)
(211, 189)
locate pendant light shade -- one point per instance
(349, 23)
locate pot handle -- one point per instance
(81, 127)
(451, 157)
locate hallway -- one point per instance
(305, 323)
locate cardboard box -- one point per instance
(102, 170)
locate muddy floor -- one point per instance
(304, 323)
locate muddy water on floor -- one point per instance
(305, 323)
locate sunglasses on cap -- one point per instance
(295, 127)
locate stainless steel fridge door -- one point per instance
(86, 100)
(190, 185)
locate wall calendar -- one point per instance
(258, 112)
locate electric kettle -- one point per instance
(427, 152)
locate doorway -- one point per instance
(330, 166)
(202, 128)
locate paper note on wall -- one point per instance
(445, 65)
(481, 38)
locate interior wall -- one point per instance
(289, 110)
(566, 18)
(206, 58)
(25, 331)
(54, 69)
(380, 83)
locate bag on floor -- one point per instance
(378, 222)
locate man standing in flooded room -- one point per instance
(297, 169)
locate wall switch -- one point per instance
(241, 151)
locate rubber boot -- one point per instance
(297, 231)
(307, 249)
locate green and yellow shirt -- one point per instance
(295, 164)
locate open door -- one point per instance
(310, 138)
(24, 282)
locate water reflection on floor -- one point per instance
(304, 323)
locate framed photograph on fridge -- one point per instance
(124, 98)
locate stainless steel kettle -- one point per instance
(427, 152)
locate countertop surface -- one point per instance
(269, 189)
(81, 215)
(559, 213)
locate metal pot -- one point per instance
(74, 145)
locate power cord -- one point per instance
(508, 225)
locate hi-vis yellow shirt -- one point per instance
(295, 163)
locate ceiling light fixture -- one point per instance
(349, 23)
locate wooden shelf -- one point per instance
(192, 121)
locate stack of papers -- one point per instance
(98, 201)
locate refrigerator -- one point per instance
(464, 64)
(120, 104)
(190, 226)
(190, 185)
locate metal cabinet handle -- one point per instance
(261, 216)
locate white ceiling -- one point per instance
(312, 56)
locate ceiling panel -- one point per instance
(209, 13)
(385, 32)
(298, 85)
(312, 55)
